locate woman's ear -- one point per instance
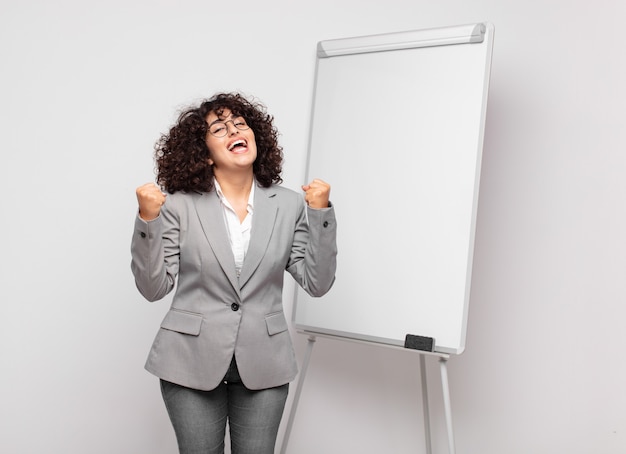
(211, 162)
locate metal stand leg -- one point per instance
(296, 399)
(425, 407)
(443, 362)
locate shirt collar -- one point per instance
(224, 200)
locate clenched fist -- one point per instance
(150, 199)
(317, 193)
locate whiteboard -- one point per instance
(397, 130)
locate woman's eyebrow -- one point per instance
(232, 116)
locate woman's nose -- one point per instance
(231, 127)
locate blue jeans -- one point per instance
(199, 417)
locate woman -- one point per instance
(223, 234)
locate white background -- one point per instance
(86, 88)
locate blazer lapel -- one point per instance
(263, 219)
(211, 218)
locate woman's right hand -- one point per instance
(150, 199)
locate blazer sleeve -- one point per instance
(313, 259)
(155, 255)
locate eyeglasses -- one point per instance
(219, 128)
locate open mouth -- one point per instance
(238, 145)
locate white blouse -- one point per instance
(238, 232)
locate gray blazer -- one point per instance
(216, 314)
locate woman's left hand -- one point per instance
(317, 193)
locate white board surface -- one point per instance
(398, 134)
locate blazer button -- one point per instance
(142, 234)
(234, 307)
(325, 224)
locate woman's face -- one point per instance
(230, 141)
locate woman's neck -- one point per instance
(235, 186)
(237, 191)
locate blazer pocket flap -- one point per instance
(182, 322)
(276, 323)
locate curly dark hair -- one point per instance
(182, 156)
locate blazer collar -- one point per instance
(263, 221)
(209, 210)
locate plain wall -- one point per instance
(86, 89)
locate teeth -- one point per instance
(234, 144)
